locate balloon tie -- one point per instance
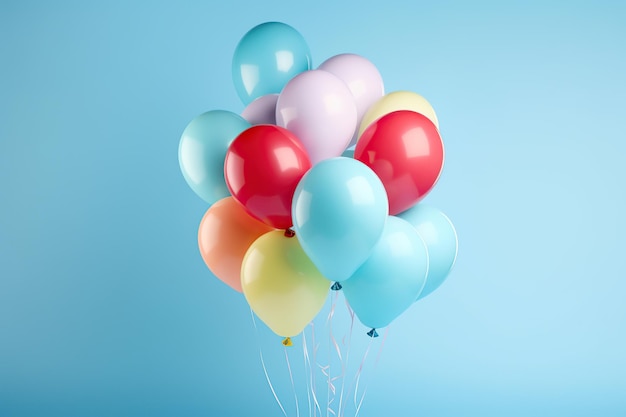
(289, 232)
(336, 286)
(287, 341)
(372, 333)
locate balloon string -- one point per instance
(327, 370)
(380, 349)
(315, 348)
(310, 377)
(307, 370)
(345, 364)
(357, 377)
(293, 386)
(330, 326)
(267, 377)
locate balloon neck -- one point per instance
(372, 333)
(287, 341)
(336, 286)
(290, 232)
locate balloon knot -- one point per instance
(287, 341)
(290, 232)
(336, 286)
(372, 333)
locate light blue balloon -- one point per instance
(392, 277)
(339, 212)
(438, 232)
(266, 58)
(202, 150)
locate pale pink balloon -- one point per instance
(320, 110)
(361, 77)
(261, 111)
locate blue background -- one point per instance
(106, 308)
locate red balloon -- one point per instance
(405, 150)
(262, 168)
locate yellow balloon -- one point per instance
(398, 100)
(281, 284)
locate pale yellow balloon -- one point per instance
(281, 284)
(398, 100)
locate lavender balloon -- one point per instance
(320, 110)
(361, 77)
(261, 111)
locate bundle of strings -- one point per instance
(337, 397)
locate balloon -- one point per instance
(349, 153)
(281, 284)
(441, 240)
(398, 100)
(225, 234)
(202, 150)
(339, 213)
(391, 278)
(268, 56)
(405, 150)
(263, 166)
(320, 110)
(361, 77)
(261, 111)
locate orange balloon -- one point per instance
(225, 234)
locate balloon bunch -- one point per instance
(294, 210)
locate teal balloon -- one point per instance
(202, 150)
(339, 211)
(441, 239)
(349, 153)
(391, 278)
(266, 58)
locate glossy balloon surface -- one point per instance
(320, 110)
(261, 111)
(266, 58)
(391, 278)
(225, 234)
(263, 166)
(441, 240)
(339, 213)
(281, 284)
(398, 100)
(405, 150)
(362, 78)
(202, 149)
